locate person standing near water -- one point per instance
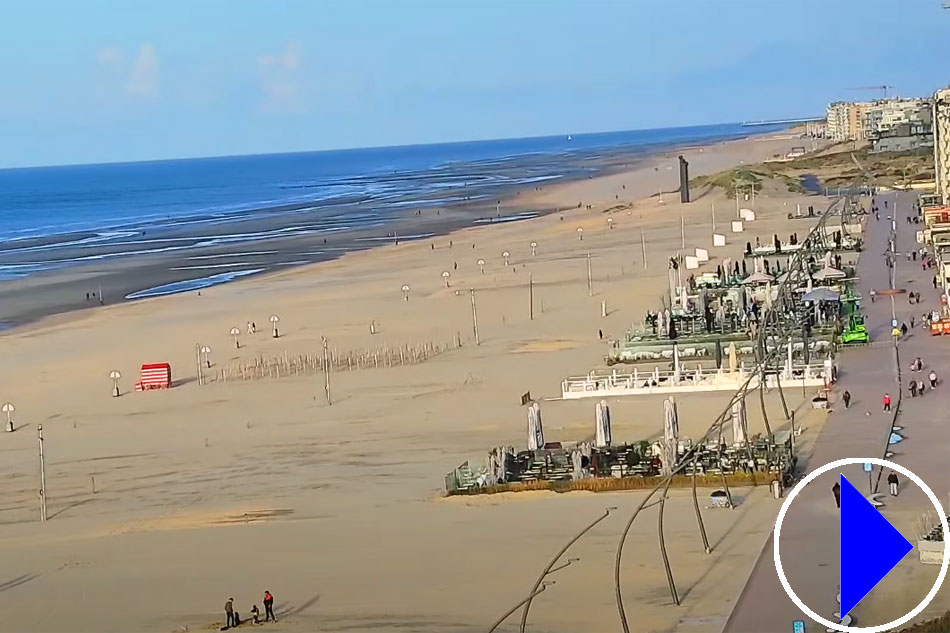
(269, 607)
(229, 613)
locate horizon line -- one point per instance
(360, 148)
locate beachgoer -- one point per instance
(846, 396)
(253, 327)
(933, 379)
(873, 294)
(256, 614)
(229, 613)
(893, 482)
(913, 388)
(836, 491)
(249, 331)
(600, 333)
(887, 402)
(920, 387)
(269, 607)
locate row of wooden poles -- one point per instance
(286, 364)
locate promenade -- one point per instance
(810, 533)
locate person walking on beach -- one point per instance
(887, 402)
(893, 482)
(269, 607)
(846, 397)
(229, 613)
(256, 614)
(836, 491)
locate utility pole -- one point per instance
(530, 297)
(39, 431)
(198, 362)
(737, 201)
(682, 232)
(643, 249)
(326, 369)
(714, 217)
(474, 316)
(590, 284)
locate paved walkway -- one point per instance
(810, 551)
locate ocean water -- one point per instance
(55, 217)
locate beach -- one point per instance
(231, 488)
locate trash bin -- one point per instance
(776, 488)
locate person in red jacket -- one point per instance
(887, 402)
(269, 607)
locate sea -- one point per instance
(53, 218)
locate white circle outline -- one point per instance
(882, 628)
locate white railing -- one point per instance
(599, 384)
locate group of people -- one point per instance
(893, 485)
(233, 618)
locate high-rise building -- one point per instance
(941, 130)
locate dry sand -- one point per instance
(231, 489)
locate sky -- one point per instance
(112, 80)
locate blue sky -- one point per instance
(99, 81)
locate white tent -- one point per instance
(829, 273)
(535, 430)
(740, 422)
(602, 436)
(821, 294)
(757, 277)
(671, 432)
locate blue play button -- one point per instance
(870, 547)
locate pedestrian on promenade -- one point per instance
(893, 482)
(933, 379)
(836, 491)
(903, 329)
(912, 321)
(920, 387)
(873, 292)
(913, 388)
(846, 397)
(269, 607)
(935, 285)
(229, 613)
(887, 402)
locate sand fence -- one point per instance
(288, 365)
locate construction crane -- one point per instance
(883, 88)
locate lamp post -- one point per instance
(234, 333)
(205, 350)
(445, 276)
(274, 319)
(8, 408)
(405, 291)
(534, 249)
(481, 265)
(506, 255)
(115, 375)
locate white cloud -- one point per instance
(143, 79)
(280, 78)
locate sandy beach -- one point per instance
(228, 489)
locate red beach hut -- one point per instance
(155, 376)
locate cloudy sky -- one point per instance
(100, 81)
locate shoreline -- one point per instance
(43, 296)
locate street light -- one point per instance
(115, 375)
(234, 333)
(205, 350)
(405, 291)
(274, 319)
(506, 255)
(534, 249)
(8, 408)
(481, 265)
(445, 276)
